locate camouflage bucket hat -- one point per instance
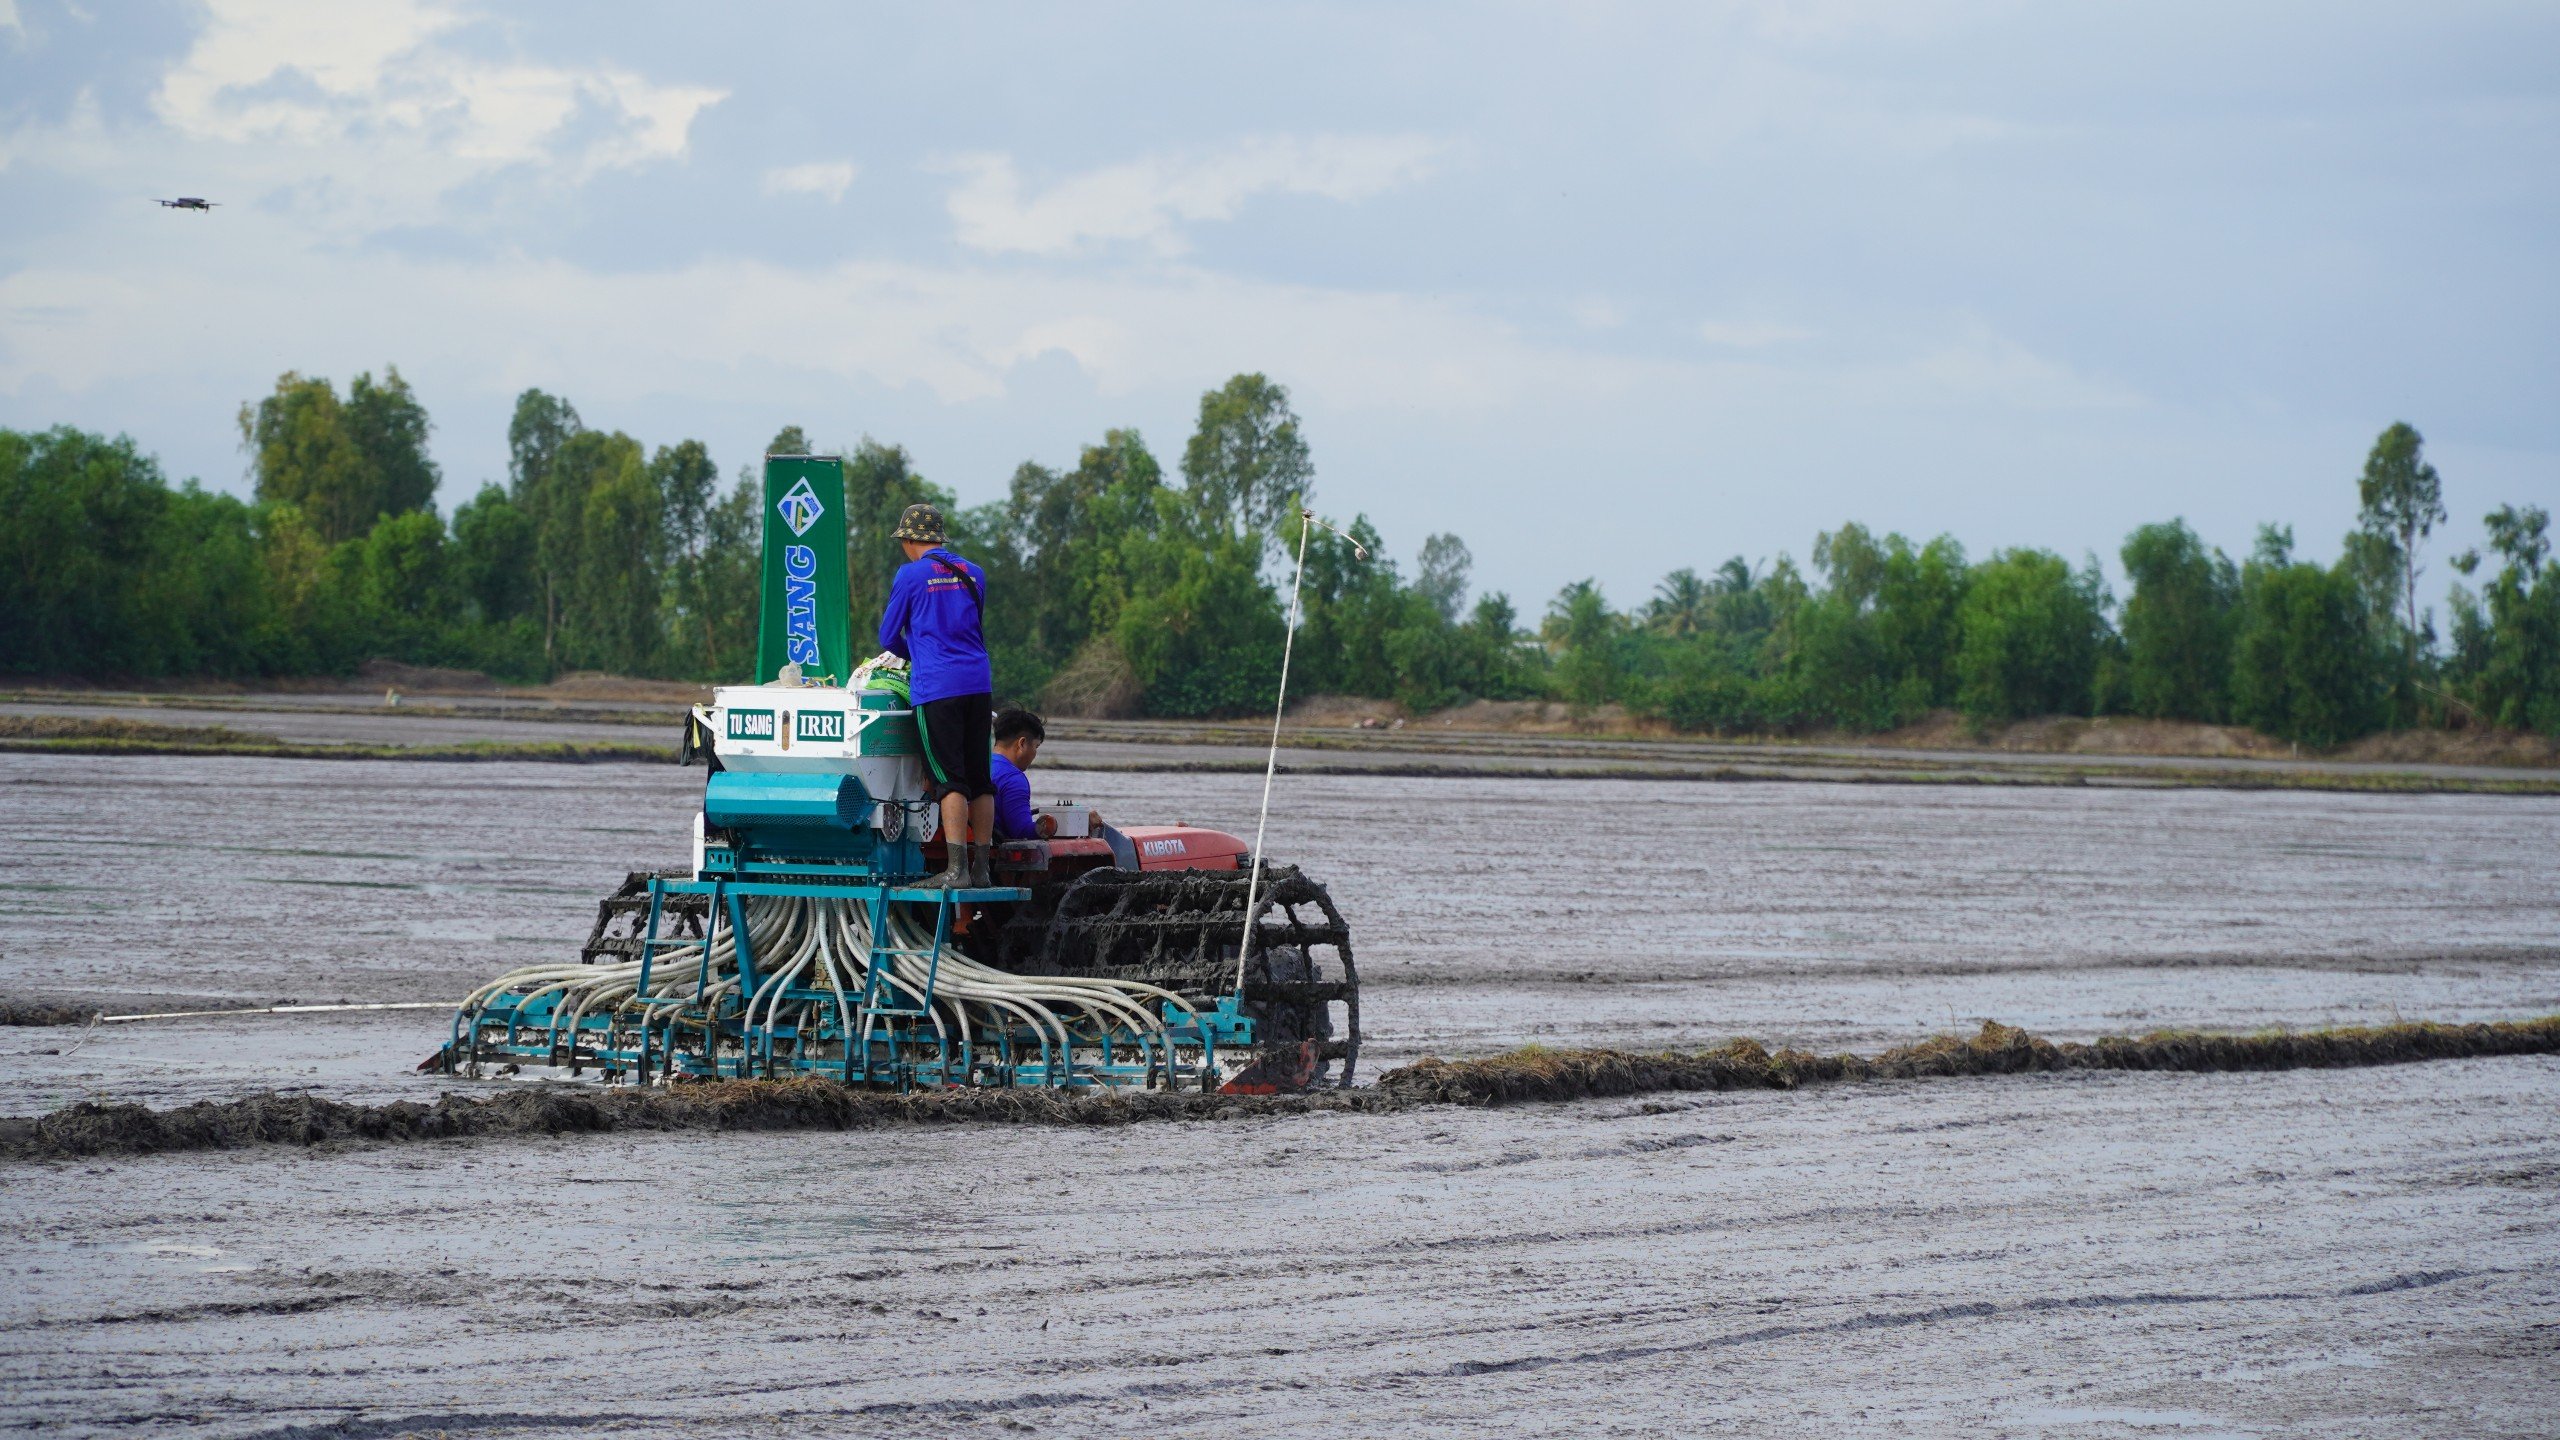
(921, 523)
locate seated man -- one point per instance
(1017, 744)
(1017, 735)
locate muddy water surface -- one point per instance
(2368, 1252)
(2358, 1253)
(1485, 912)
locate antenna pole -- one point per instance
(1271, 761)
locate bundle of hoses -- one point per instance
(822, 949)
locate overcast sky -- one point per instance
(1603, 289)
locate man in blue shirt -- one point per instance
(1018, 736)
(935, 619)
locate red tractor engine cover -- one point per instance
(1162, 847)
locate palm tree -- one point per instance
(1682, 605)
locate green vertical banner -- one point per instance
(805, 605)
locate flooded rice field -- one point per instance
(2307, 1253)
(1485, 913)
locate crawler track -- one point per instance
(1179, 929)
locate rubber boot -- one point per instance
(955, 870)
(982, 859)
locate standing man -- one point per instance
(935, 620)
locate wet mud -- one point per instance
(1525, 1076)
(2320, 1252)
(2028, 1238)
(36, 1013)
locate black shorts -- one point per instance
(957, 742)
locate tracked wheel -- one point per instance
(1179, 929)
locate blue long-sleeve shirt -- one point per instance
(1014, 817)
(933, 621)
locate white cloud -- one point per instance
(734, 327)
(372, 114)
(826, 178)
(1979, 364)
(1148, 200)
(956, 332)
(1597, 312)
(9, 20)
(1749, 335)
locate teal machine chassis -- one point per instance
(805, 838)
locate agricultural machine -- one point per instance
(801, 941)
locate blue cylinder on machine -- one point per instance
(755, 799)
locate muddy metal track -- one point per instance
(1520, 1077)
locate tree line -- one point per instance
(1118, 588)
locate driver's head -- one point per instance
(1018, 734)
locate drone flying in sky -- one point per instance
(188, 202)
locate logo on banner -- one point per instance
(800, 603)
(799, 506)
(821, 725)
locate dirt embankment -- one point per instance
(30, 1013)
(136, 732)
(1948, 730)
(2127, 735)
(1492, 717)
(1523, 1076)
(376, 676)
(106, 735)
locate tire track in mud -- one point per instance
(2149, 1199)
(1525, 1076)
(960, 1410)
(459, 1422)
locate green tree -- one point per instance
(609, 603)
(209, 585)
(2178, 624)
(1246, 462)
(1068, 532)
(2401, 500)
(553, 504)
(343, 465)
(303, 453)
(493, 561)
(2031, 629)
(732, 571)
(1707, 682)
(77, 512)
(403, 587)
(2301, 661)
(105, 571)
(1582, 634)
(1917, 612)
(1876, 648)
(1682, 605)
(390, 429)
(1440, 575)
(1200, 628)
(1351, 607)
(687, 481)
(2507, 657)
